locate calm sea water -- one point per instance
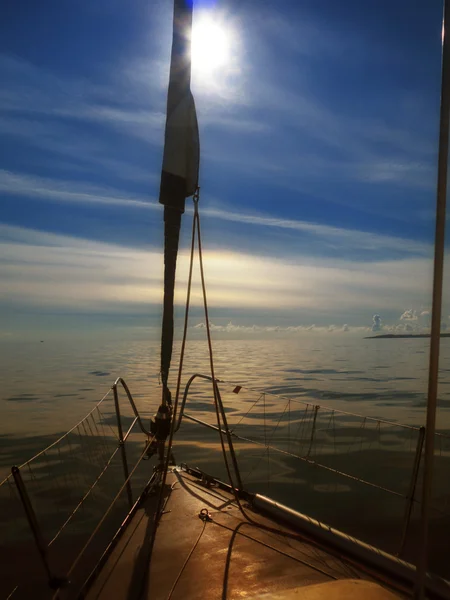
(48, 387)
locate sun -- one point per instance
(211, 46)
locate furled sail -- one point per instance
(179, 177)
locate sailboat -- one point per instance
(185, 533)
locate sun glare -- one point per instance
(211, 49)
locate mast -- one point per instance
(437, 303)
(179, 176)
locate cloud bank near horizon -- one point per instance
(45, 271)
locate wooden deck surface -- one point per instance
(225, 558)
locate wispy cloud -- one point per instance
(336, 239)
(313, 137)
(350, 238)
(68, 191)
(309, 140)
(42, 269)
(305, 138)
(131, 100)
(76, 151)
(232, 328)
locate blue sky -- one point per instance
(318, 162)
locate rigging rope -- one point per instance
(218, 405)
(205, 520)
(220, 412)
(196, 234)
(172, 225)
(180, 370)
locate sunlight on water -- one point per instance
(48, 387)
(316, 439)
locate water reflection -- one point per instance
(350, 470)
(47, 388)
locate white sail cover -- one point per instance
(179, 177)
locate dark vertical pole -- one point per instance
(122, 446)
(438, 274)
(313, 429)
(33, 522)
(229, 439)
(412, 489)
(172, 226)
(174, 185)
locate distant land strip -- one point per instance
(403, 335)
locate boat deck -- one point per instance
(224, 558)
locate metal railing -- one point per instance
(337, 443)
(56, 485)
(269, 431)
